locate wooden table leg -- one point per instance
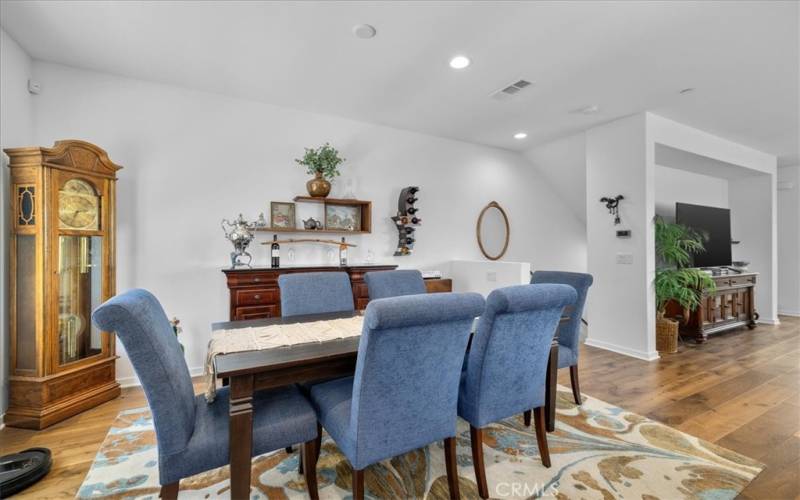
(550, 388)
(241, 434)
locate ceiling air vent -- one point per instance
(510, 90)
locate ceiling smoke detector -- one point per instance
(520, 135)
(364, 31)
(510, 90)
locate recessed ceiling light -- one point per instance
(520, 135)
(686, 90)
(364, 31)
(459, 62)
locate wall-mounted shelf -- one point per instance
(364, 208)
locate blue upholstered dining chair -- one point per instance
(507, 363)
(382, 284)
(192, 435)
(569, 332)
(404, 393)
(315, 293)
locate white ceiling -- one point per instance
(742, 58)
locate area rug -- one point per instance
(597, 450)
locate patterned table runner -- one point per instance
(268, 337)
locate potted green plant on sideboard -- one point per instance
(675, 281)
(323, 163)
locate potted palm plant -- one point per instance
(323, 162)
(675, 281)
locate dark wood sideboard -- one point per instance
(732, 305)
(254, 292)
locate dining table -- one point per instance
(246, 372)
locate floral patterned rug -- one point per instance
(597, 451)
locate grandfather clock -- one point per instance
(62, 266)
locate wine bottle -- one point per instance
(343, 253)
(412, 210)
(413, 190)
(411, 200)
(409, 229)
(409, 241)
(275, 252)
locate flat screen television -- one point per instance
(715, 223)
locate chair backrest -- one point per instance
(568, 332)
(405, 390)
(315, 293)
(140, 323)
(382, 284)
(507, 363)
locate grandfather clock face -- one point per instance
(78, 206)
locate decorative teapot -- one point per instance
(239, 233)
(310, 223)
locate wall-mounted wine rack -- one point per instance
(406, 221)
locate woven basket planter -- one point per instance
(666, 335)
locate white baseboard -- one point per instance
(794, 314)
(134, 380)
(773, 322)
(646, 356)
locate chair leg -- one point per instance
(476, 436)
(527, 418)
(451, 464)
(576, 388)
(310, 462)
(289, 449)
(301, 461)
(170, 491)
(541, 435)
(358, 484)
(318, 441)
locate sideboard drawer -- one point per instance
(250, 279)
(256, 296)
(254, 312)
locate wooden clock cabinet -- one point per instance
(62, 266)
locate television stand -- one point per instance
(730, 306)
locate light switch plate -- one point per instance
(624, 258)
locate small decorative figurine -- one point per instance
(240, 234)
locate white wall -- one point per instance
(192, 158)
(674, 185)
(483, 276)
(789, 240)
(622, 305)
(563, 163)
(16, 129)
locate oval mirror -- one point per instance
(493, 231)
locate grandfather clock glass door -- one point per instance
(80, 268)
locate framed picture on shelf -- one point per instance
(282, 215)
(343, 217)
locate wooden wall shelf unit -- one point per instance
(254, 293)
(364, 206)
(730, 306)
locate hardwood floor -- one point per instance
(740, 390)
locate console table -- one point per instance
(730, 306)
